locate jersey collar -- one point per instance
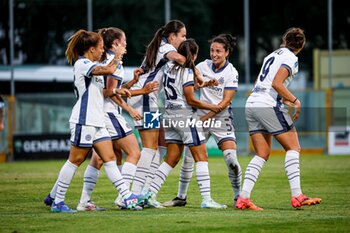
(219, 70)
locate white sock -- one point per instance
(128, 173)
(90, 178)
(116, 178)
(53, 190)
(143, 167)
(234, 171)
(64, 179)
(203, 179)
(251, 175)
(186, 173)
(158, 157)
(159, 177)
(291, 165)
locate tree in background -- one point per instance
(43, 26)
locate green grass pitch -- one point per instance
(23, 186)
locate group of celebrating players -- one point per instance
(168, 72)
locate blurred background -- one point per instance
(37, 82)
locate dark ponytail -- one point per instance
(173, 26)
(188, 49)
(109, 35)
(293, 39)
(228, 41)
(79, 43)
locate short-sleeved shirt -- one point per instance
(227, 77)
(149, 102)
(88, 110)
(177, 110)
(164, 48)
(175, 79)
(263, 92)
(109, 104)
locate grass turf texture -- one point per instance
(25, 184)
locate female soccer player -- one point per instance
(87, 119)
(221, 71)
(182, 126)
(267, 117)
(161, 49)
(119, 130)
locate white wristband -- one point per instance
(114, 91)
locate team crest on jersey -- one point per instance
(86, 61)
(221, 80)
(151, 120)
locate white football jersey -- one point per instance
(164, 48)
(227, 78)
(263, 91)
(110, 105)
(174, 80)
(88, 110)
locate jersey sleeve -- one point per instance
(166, 48)
(119, 72)
(291, 64)
(232, 82)
(85, 67)
(199, 66)
(188, 79)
